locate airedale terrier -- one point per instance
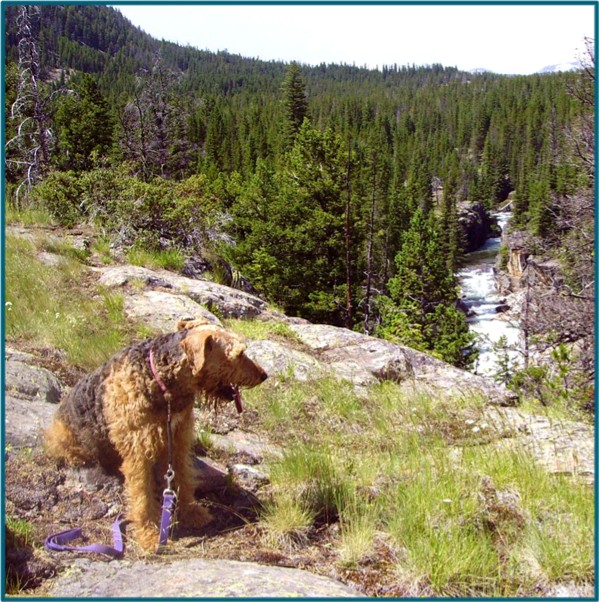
(117, 415)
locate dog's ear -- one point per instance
(196, 347)
(189, 324)
(235, 349)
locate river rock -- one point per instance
(509, 279)
(476, 225)
(195, 578)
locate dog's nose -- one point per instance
(264, 376)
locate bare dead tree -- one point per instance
(151, 122)
(28, 151)
(582, 136)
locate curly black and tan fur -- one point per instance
(117, 415)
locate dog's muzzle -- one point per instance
(231, 393)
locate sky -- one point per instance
(512, 39)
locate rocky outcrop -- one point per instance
(196, 578)
(30, 395)
(279, 359)
(521, 266)
(363, 360)
(226, 301)
(160, 298)
(560, 447)
(25, 380)
(508, 277)
(161, 310)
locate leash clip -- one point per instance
(169, 477)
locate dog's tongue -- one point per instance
(238, 402)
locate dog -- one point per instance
(117, 416)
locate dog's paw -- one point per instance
(146, 537)
(194, 515)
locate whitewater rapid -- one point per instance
(482, 298)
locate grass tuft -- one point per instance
(168, 259)
(255, 330)
(286, 522)
(28, 216)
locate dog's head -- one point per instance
(219, 363)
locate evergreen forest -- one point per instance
(333, 191)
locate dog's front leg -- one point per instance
(191, 513)
(143, 507)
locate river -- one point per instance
(482, 298)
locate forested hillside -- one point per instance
(335, 190)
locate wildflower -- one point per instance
(8, 306)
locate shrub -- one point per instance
(61, 194)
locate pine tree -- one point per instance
(293, 239)
(420, 310)
(85, 127)
(294, 102)
(452, 235)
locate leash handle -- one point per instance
(169, 499)
(57, 541)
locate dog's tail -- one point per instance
(61, 443)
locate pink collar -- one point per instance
(155, 374)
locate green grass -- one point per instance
(263, 330)
(49, 306)
(66, 250)
(28, 216)
(101, 246)
(19, 532)
(470, 518)
(358, 524)
(20, 538)
(286, 520)
(168, 259)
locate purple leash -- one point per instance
(169, 501)
(57, 542)
(169, 497)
